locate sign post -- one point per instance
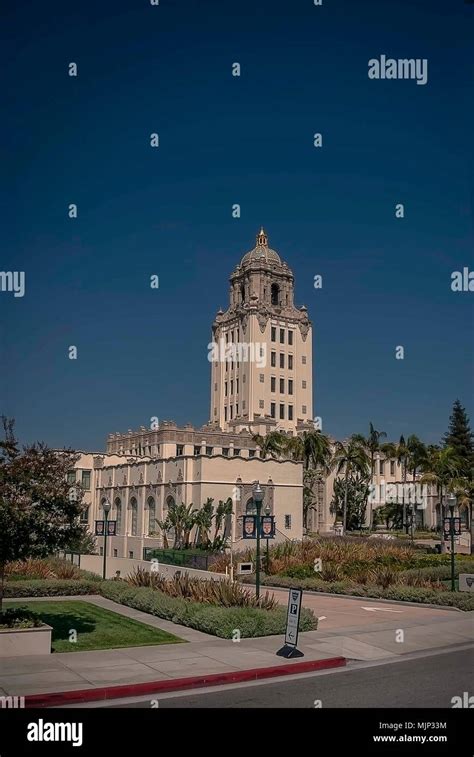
(289, 649)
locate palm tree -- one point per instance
(351, 458)
(442, 468)
(203, 521)
(165, 527)
(223, 509)
(272, 444)
(401, 453)
(372, 444)
(313, 448)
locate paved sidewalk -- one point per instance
(207, 655)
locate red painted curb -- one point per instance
(154, 687)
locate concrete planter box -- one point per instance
(18, 642)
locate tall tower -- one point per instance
(262, 377)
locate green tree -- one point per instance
(459, 436)
(442, 469)
(372, 443)
(351, 458)
(272, 444)
(357, 488)
(39, 509)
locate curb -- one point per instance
(178, 684)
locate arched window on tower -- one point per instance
(242, 293)
(275, 294)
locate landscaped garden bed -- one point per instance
(369, 568)
(219, 608)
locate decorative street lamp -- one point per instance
(106, 508)
(267, 568)
(258, 494)
(452, 502)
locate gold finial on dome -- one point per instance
(262, 239)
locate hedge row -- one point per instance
(461, 600)
(50, 587)
(212, 619)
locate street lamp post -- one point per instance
(267, 568)
(106, 507)
(257, 494)
(452, 502)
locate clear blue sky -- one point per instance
(225, 140)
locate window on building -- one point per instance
(290, 412)
(85, 515)
(282, 412)
(381, 467)
(392, 468)
(290, 337)
(282, 336)
(261, 404)
(115, 552)
(272, 409)
(237, 388)
(197, 449)
(225, 413)
(225, 451)
(232, 337)
(118, 515)
(237, 409)
(231, 387)
(282, 360)
(209, 450)
(282, 386)
(304, 409)
(287, 521)
(243, 378)
(290, 362)
(71, 477)
(290, 386)
(273, 384)
(86, 479)
(231, 412)
(273, 359)
(303, 359)
(275, 294)
(133, 517)
(151, 515)
(237, 452)
(130, 555)
(303, 384)
(225, 389)
(215, 411)
(274, 334)
(227, 337)
(179, 450)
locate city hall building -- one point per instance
(261, 380)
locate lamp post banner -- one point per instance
(267, 527)
(250, 526)
(99, 528)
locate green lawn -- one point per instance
(96, 628)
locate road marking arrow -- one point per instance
(323, 617)
(382, 609)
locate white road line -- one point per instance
(381, 609)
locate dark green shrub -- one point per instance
(211, 619)
(19, 617)
(50, 587)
